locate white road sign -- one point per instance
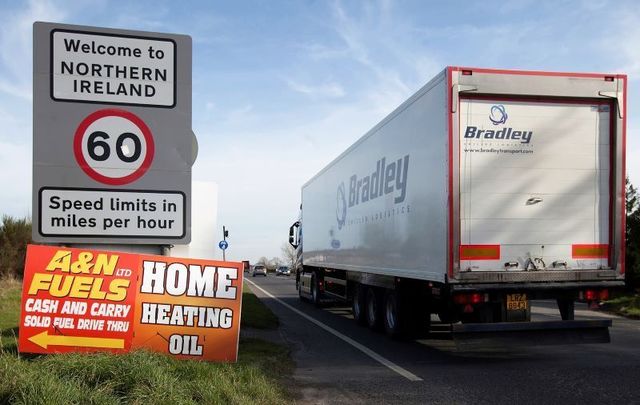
(112, 140)
(96, 67)
(94, 212)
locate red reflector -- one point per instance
(477, 298)
(467, 72)
(590, 295)
(466, 299)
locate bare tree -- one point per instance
(274, 263)
(289, 255)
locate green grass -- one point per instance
(10, 290)
(254, 313)
(139, 376)
(625, 305)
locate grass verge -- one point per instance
(624, 305)
(140, 376)
(254, 313)
(10, 290)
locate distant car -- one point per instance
(283, 271)
(259, 269)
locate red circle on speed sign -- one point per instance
(113, 146)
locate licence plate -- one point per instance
(516, 302)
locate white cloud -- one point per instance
(326, 89)
(626, 34)
(16, 49)
(15, 179)
(240, 116)
(320, 52)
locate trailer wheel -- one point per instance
(300, 294)
(392, 318)
(315, 293)
(374, 305)
(359, 304)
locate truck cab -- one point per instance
(295, 240)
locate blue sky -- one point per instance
(280, 88)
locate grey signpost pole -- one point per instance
(224, 246)
(112, 139)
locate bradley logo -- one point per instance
(341, 206)
(498, 115)
(388, 178)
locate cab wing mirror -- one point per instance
(292, 232)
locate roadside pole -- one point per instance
(223, 245)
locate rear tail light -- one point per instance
(473, 298)
(595, 295)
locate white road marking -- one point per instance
(388, 363)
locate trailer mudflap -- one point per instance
(512, 334)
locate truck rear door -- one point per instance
(534, 184)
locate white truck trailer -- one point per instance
(484, 190)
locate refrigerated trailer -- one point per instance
(484, 190)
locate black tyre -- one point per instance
(359, 304)
(299, 288)
(315, 291)
(374, 308)
(392, 315)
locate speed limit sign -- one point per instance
(113, 146)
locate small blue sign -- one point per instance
(223, 245)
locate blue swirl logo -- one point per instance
(498, 114)
(341, 206)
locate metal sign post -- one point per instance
(223, 244)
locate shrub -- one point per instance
(632, 257)
(15, 234)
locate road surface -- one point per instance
(336, 361)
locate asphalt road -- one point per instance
(330, 370)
